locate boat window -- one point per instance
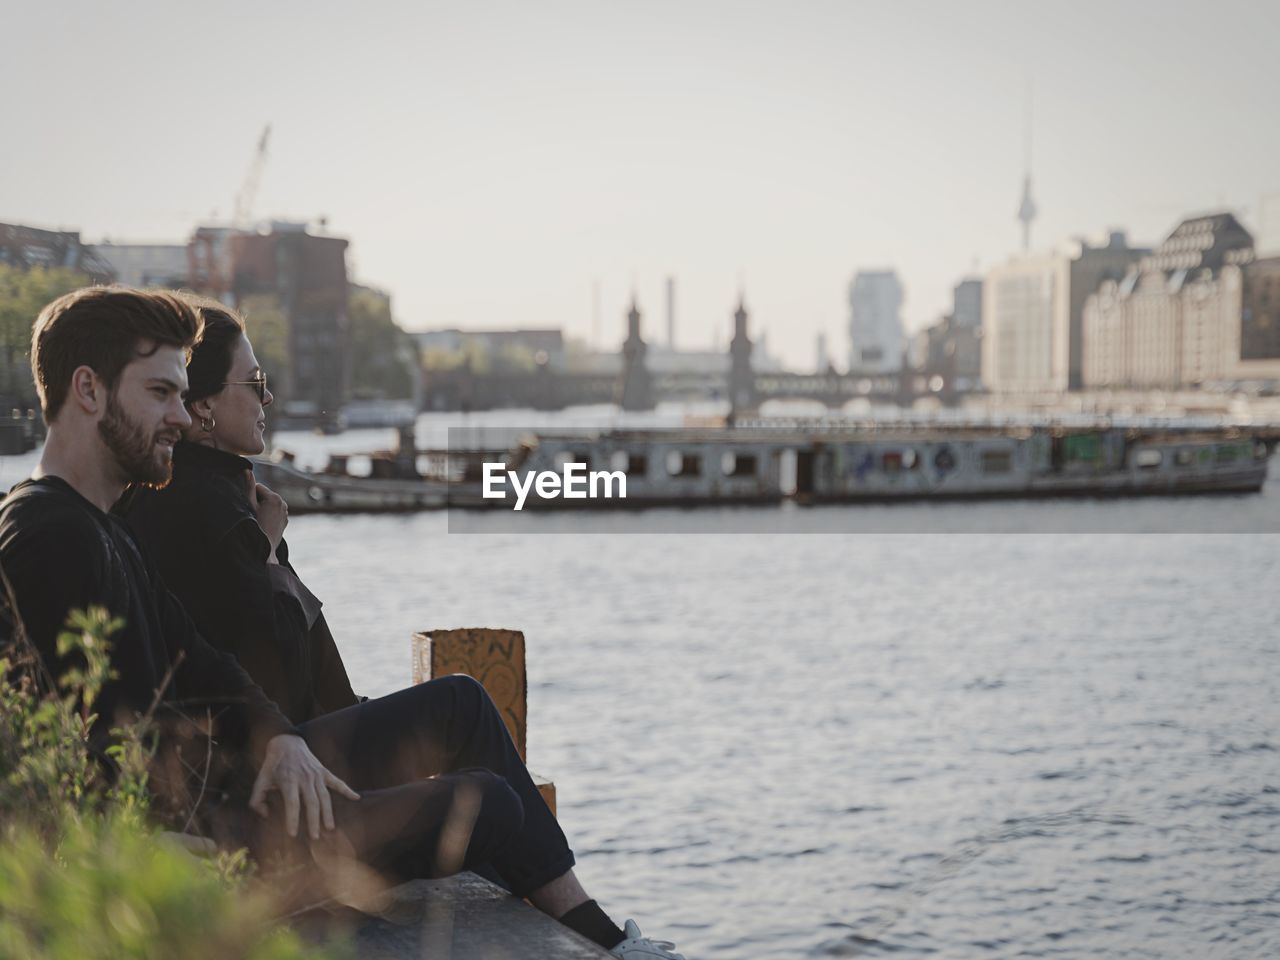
(1184, 457)
(997, 461)
(891, 461)
(572, 456)
(383, 468)
(734, 464)
(910, 459)
(632, 464)
(1148, 459)
(681, 464)
(1082, 448)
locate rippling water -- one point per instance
(799, 746)
(959, 744)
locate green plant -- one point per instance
(82, 873)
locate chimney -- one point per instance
(671, 314)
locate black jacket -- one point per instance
(203, 533)
(61, 553)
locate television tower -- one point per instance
(1027, 209)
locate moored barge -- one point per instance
(765, 462)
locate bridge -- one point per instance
(635, 387)
(461, 389)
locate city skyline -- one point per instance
(490, 172)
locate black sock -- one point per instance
(594, 924)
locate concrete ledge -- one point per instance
(459, 918)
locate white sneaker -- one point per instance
(638, 947)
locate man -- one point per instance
(442, 787)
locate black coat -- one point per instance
(61, 553)
(205, 536)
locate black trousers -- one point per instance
(442, 789)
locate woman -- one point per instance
(416, 756)
(219, 537)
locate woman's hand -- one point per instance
(303, 782)
(271, 510)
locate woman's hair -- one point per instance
(211, 354)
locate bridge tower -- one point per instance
(636, 389)
(742, 382)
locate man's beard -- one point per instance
(133, 447)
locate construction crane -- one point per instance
(249, 186)
(207, 265)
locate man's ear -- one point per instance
(88, 392)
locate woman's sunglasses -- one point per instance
(260, 382)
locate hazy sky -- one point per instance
(490, 161)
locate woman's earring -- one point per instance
(207, 424)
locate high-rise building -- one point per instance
(1259, 328)
(966, 298)
(953, 346)
(297, 283)
(1032, 314)
(875, 323)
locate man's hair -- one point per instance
(105, 329)
(210, 361)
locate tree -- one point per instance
(268, 330)
(23, 294)
(381, 353)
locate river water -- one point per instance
(961, 744)
(958, 744)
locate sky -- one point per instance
(492, 163)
